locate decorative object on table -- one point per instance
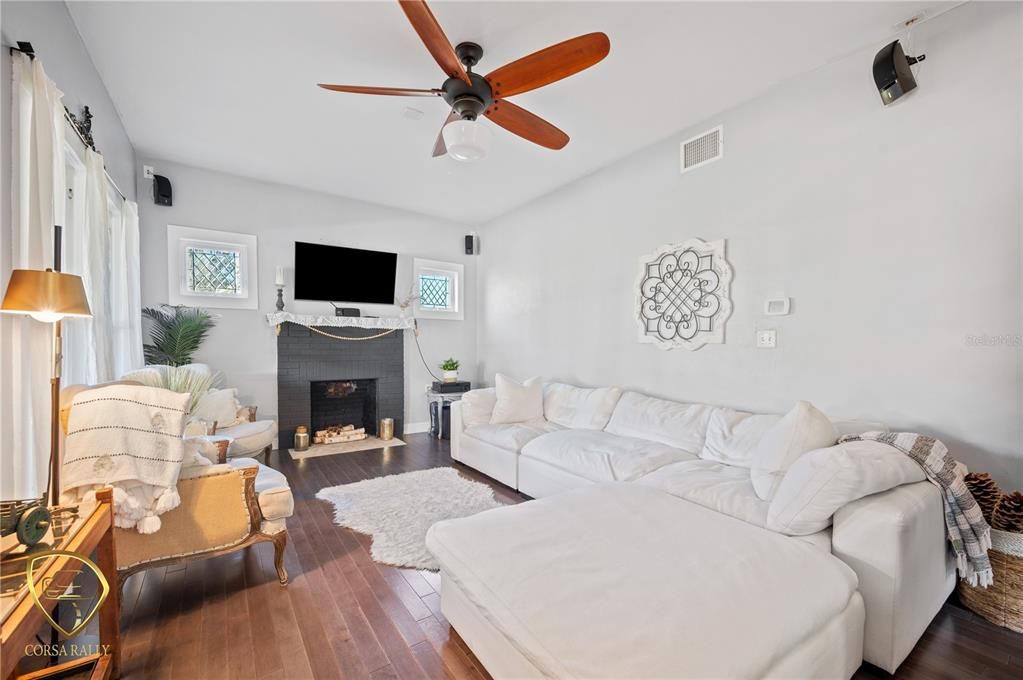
(49, 296)
(985, 491)
(1008, 513)
(683, 295)
(279, 282)
(1000, 603)
(387, 429)
(30, 520)
(301, 438)
(397, 510)
(450, 368)
(176, 333)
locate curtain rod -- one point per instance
(78, 133)
(26, 49)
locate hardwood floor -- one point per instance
(343, 615)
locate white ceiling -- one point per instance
(231, 86)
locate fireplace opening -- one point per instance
(341, 408)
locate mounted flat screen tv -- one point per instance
(337, 274)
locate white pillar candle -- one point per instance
(279, 279)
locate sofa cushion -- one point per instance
(512, 436)
(579, 408)
(601, 456)
(732, 435)
(517, 402)
(822, 481)
(722, 488)
(800, 431)
(683, 426)
(221, 406)
(477, 405)
(249, 438)
(272, 490)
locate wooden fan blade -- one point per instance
(433, 37)
(529, 126)
(549, 65)
(391, 91)
(439, 147)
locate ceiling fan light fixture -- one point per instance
(466, 140)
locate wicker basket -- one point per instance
(1002, 603)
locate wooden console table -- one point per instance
(22, 619)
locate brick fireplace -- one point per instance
(345, 379)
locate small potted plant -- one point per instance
(450, 368)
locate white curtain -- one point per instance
(103, 248)
(37, 203)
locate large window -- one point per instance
(438, 287)
(207, 268)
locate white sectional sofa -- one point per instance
(676, 456)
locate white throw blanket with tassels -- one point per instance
(128, 437)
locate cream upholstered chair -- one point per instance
(224, 507)
(247, 436)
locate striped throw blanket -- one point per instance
(968, 533)
(128, 437)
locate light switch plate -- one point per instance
(147, 172)
(767, 339)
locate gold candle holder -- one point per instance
(387, 429)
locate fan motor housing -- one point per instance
(468, 102)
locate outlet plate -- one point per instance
(147, 172)
(767, 339)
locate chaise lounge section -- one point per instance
(592, 442)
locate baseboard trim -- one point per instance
(417, 428)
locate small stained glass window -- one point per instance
(435, 291)
(213, 271)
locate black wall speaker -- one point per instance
(162, 194)
(892, 73)
(471, 244)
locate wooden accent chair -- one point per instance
(224, 507)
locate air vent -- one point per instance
(702, 149)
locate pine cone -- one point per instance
(1008, 515)
(985, 491)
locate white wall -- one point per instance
(896, 232)
(242, 346)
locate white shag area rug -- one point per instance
(397, 510)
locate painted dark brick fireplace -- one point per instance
(305, 358)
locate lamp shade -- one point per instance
(466, 140)
(45, 295)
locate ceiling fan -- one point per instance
(470, 94)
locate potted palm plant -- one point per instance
(176, 333)
(450, 368)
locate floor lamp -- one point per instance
(49, 296)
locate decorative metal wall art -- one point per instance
(683, 294)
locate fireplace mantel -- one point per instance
(275, 319)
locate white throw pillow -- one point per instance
(219, 405)
(800, 431)
(477, 406)
(579, 408)
(822, 481)
(517, 402)
(733, 435)
(683, 426)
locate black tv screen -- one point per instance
(339, 274)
